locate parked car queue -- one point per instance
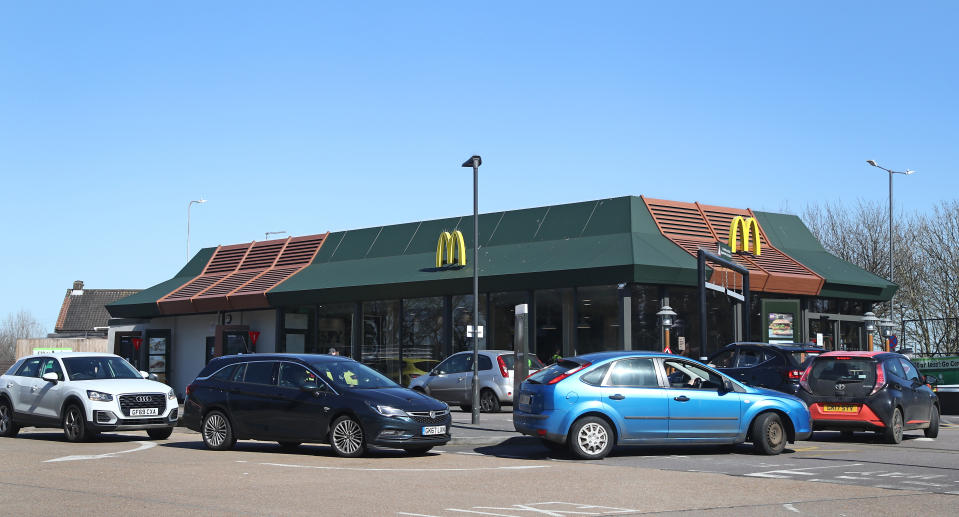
(586, 404)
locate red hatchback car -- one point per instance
(869, 391)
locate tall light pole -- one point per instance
(188, 207)
(891, 172)
(475, 161)
(267, 236)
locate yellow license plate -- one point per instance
(841, 408)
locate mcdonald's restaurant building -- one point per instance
(593, 274)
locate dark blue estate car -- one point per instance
(297, 398)
(593, 402)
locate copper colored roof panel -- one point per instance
(238, 276)
(693, 225)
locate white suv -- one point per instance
(84, 393)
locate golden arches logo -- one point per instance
(747, 225)
(450, 249)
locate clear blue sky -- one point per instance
(315, 116)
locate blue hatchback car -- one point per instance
(591, 403)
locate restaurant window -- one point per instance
(548, 336)
(720, 322)
(299, 324)
(158, 350)
(334, 328)
(502, 309)
(381, 337)
(644, 304)
(463, 316)
(422, 337)
(597, 319)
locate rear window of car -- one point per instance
(553, 371)
(839, 369)
(510, 360)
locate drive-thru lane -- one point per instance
(179, 477)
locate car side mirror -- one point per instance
(144, 374)
(726, 387)
(931, 379)
(51, 377)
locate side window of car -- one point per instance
(685, 375)
(291, 375)
(458, 363)
(239, 372)
(595, 377)
(912, 373)
(225, 374)
(30, 368)
(51, 365)
(260, 372)
(895, 369)
(485, 363)
(635, 372)
(724, 359)
(750, 357)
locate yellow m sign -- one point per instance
(747, 225)
(450, 249)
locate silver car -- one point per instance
(452, 380)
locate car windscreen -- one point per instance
(351, 374)
(95, 367)
(553, 371)
(534, 362)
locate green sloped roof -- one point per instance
(589, 243)
(143, 304)
(842, 279)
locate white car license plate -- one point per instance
(436, 429)
(145, 411)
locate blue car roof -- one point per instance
(602, 356)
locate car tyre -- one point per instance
(160, 433)
(8, 429)
(75, 424)
(591, 438)
(346, 437)
(217, 431)
(418, 451)
(489, 402)
(893, 432)
(933, 430)
(768, 434)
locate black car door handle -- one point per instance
(617, 397)
(681, 398)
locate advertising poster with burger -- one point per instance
(780, 327)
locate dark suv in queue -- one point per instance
(775, 366)
(870, 391)
(298, 398)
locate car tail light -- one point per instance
(794, 374)
(880, 378)
(567, 374)
(804, 379)
(414, 375)
(189, 389)
(502, 366)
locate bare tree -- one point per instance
(16, 326)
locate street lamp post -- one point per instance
(475, 161)
(267, 236)
(188, 207)
(870, 320)
(666, 315)
(891, 172)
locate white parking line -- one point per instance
(784, 473)
(143, 446)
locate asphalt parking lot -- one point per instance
(515, 476)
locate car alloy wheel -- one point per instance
(217, 433)
(488, 402)
(74, 426)
(893, 433)
(591, 438)
(7, 427)
(346, 437)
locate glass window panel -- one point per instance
(503, 318)
(295, 343)
(644, 305)
(597, 319)
(334, 328)
(260, 372)
(422, 336)
(548, 336)
(299, 330)
(635, 372)
(463, 316)
(381, 337)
